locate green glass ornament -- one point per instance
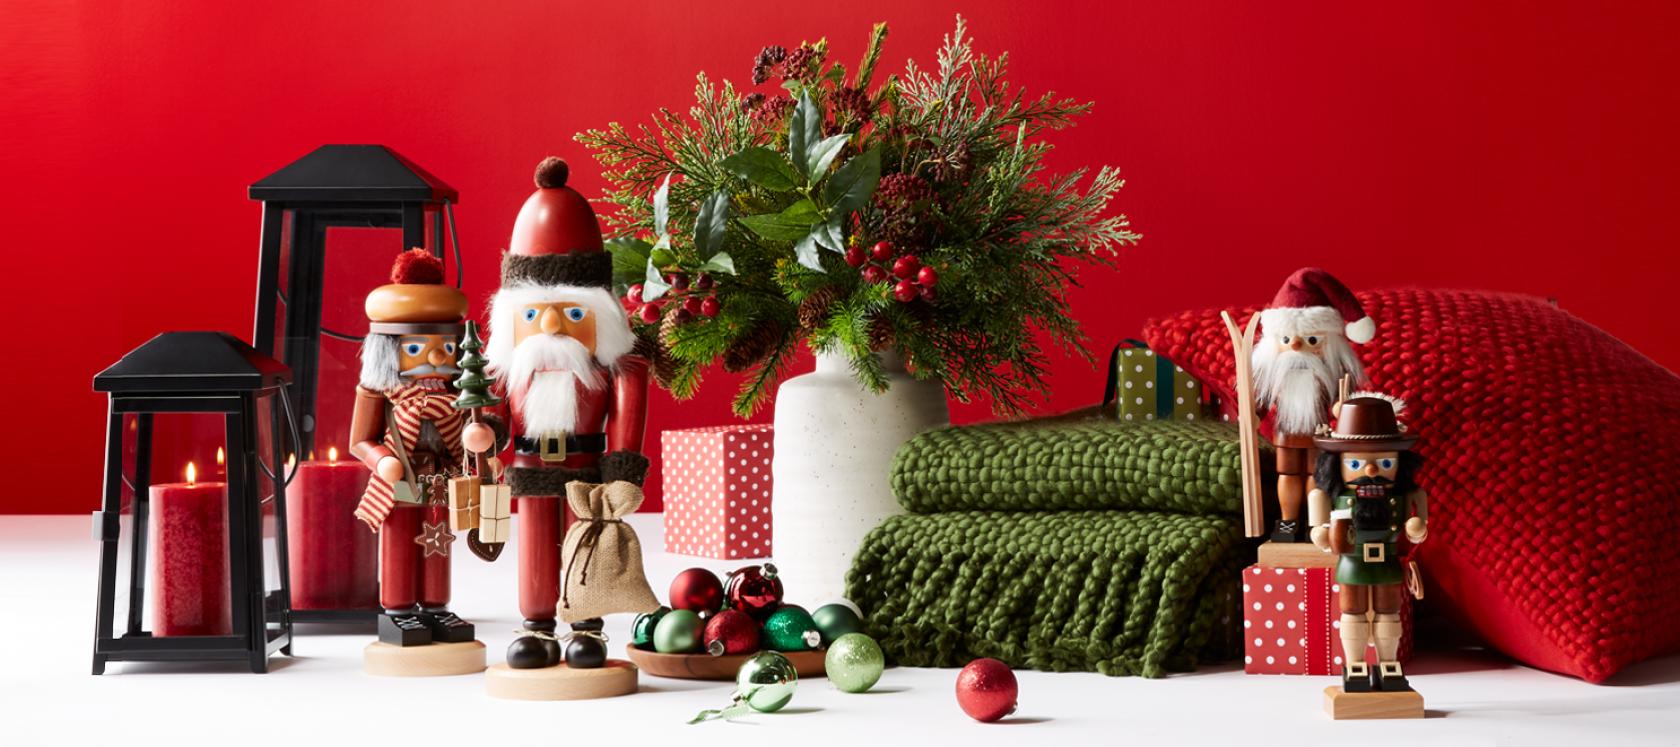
(835, 620)
(678, 632)
(791, 629)
(764, 683)
(854, 662)
(641, 631)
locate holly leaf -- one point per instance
(662, 206)
(829, 236)
(720, 262)
(806, 252)
(763, 167)
(853, 184)
(791, 224)
(804, 130)
(709, 224)
(629, 255)
(653, 285)
(822, 154)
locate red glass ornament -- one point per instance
(697, 590)
(731, 632)
(986, 690)
(755, 590)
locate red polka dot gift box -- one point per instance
(717, 491)
(1290, 621)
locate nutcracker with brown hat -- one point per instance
(1365, 499)
(576, 396)
(407, 431)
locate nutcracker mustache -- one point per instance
(425, 369)
(543, 381)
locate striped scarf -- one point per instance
(425, 401)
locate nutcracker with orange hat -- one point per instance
(406, 429)
(1295, 371)
(561, 347)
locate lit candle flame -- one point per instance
(332, 454)
(192, 473)
(291, 461)
(221, 456)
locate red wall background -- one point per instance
(1501, 145)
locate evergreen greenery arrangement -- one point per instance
(856, 215)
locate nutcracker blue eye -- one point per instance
(1354, 463)
(449, 348)
(413, 348)
(1386, 463)
(530, 315)
(575, 313)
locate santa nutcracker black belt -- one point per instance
(589, 443)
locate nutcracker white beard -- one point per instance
(1302, 385)
(543, 379)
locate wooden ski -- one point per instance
(1248, 425)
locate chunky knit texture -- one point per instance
(1117, 592)
(1193, 467)
(1552, 460)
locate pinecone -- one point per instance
(881, 336)
(852, 104)
(667, 327)
(765, 63)
(801, 63)
(664, 366)
(814, 310)
(752, 347)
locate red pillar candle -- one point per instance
(190, 571)
(334, 558)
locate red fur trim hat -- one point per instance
(1313, 300)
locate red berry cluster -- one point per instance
(696, 299)
(914, 280)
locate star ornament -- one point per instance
(435, 538)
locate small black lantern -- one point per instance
(344, 187)
(196, 372)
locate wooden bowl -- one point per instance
(708, 667)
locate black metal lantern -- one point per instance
(197, 372)
(335, 186)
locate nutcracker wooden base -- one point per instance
(561, 682)
(1296, 555)
(708, 667)
(1343, 706)
(433, 660)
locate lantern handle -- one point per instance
(454, 242)
(291, 425)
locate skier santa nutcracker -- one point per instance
(1365, 499)
(560, 344)
(405, 429)
(1298, 366)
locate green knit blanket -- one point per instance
(1190, 467)
(1118, 592)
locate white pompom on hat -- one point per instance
(1313, 300)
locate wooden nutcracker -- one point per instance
(1365, 498)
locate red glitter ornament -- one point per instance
(731, 632)
(697, 590)
(755, 590)
(986, 690)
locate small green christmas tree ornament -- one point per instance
(473, 383)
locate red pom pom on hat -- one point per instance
(417, 267)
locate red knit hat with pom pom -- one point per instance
(416, 301)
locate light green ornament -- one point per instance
(765, 683)
(835, 620)
(678, 632)
(791, 629)
(854, 662)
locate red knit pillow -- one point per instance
(1552, 460)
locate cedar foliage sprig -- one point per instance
(760, 200)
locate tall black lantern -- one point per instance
(335, 186)
(196, 372)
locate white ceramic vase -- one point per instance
(834, 446)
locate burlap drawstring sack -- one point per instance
(603, 557)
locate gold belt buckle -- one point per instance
(1374, 552)
(552, 449)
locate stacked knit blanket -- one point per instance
(1060, 545)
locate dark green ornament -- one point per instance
(835, 620)
(641, 631)
(791, 629)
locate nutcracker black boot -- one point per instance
(587, 647)
(403, 628)
(535, 648)
(447, 627)
(1286, 531)
(1356, 631)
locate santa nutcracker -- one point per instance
(1366, 496)
(405, 429)
(577, 397)
(1299, 362)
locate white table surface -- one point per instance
(48, 569)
